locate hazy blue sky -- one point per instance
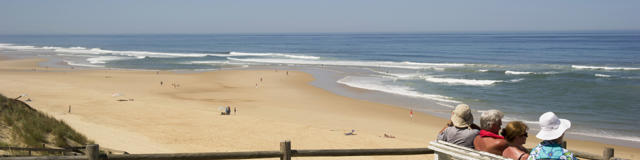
(286, 16)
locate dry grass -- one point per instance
(32, 128)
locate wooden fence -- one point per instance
(49, 150)
(285, 153)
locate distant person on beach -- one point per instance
(516, 135)
(411, 114)
(228, 110)
(460, 130)
(488, 139)
(235, 110)
(551, 132)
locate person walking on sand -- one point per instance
(411, 114)
(488, 139)
(551, 133)
(235, 110)
(460, 130)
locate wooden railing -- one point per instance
(29, 150)
(285, 153)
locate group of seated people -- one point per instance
(462, 131)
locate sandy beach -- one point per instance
(182, 114)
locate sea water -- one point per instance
(590, 78)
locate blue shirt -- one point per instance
(550, 150)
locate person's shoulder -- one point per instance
(497, 143)
(511, 150)
(448, 129)
(502, 142)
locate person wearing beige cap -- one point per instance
(460, 130)
(551, 132)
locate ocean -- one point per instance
(590, 78)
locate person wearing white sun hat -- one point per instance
(551, 132)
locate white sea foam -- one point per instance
(602, 75)
(483, 70)
(454, 81)
(603, 67)
(273, 55)
(398, 75)
(206, 62)
(386, 64)
(141, 54)
(435, 64)
(446, 105)
(377, 84)
(515, 80)
(104, 59)
(15, 47)
(81, 64)
(517, 72)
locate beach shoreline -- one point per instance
(311, 117)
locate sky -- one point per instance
(320, 16)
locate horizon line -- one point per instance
(307, 33)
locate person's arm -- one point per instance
(449, 124)
(524, 156)
(442, 130)
(441, 135)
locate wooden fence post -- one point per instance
(285, 149)
(607, 153)
(93, 151)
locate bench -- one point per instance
(448, 151)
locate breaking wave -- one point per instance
(454, 81)
(377, 84)
(142, 54)
(386, 64)
(603, 67)
(517, 73)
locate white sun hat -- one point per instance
(552, 127)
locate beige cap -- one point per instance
(461, 116)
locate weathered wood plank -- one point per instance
(197, 156)
(360, 152)
(46, 158)
(35, 149)
(586, 155)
